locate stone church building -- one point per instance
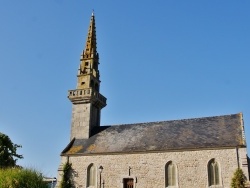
(188, 153)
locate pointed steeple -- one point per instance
(90, 47)
(88, 74)
(86, 98)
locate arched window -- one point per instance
(170, 174)
(213, 173)
(91, 176)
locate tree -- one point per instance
(8, 155)
(66, 180)
(239, 179)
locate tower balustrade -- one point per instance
(89, 93)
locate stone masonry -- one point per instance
(148, 169)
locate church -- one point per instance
(187, 153)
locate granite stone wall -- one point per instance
(80, 121)
(148, 169)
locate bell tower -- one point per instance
(86, 99)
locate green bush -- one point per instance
(21, 178)
(239, 179)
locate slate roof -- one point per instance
(198, 133)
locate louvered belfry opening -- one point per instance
(128, 183)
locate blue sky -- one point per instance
(159, 60)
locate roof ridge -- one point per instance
(149, 122)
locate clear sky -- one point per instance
(159, 60)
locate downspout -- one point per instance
(67, 159)
(237, 155)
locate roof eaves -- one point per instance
(154, 151)
(68, 146)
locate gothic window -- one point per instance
(213, 173)
(170, 174)
(91, 176)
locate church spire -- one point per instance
(86, 98)
(88, 74)
(90, 47)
